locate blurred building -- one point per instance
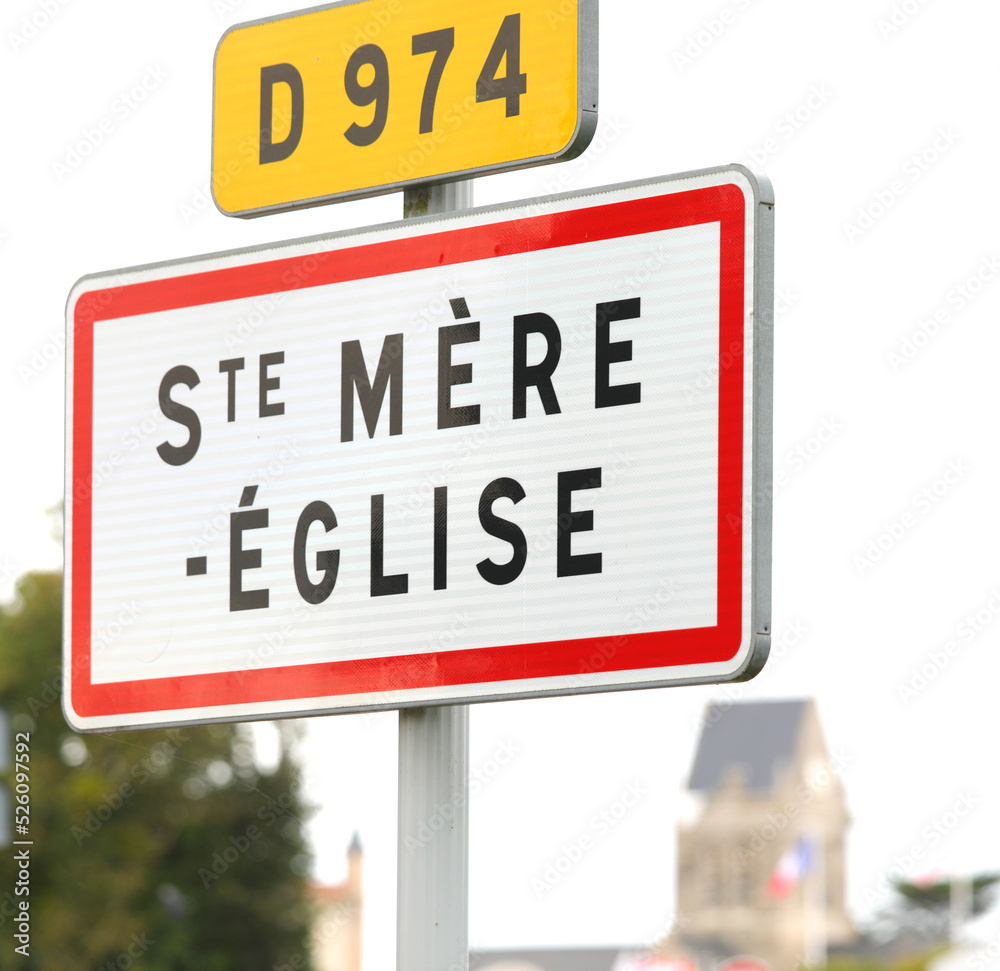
(571, 959)
(336, 937)
(761, 850)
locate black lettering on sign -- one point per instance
(182, 414)
(539, 375)
(506, 50)
(271, 75)
(607, 395)
(570, 521)
(241, 559)
(326, 560)
(354, 374)
(230, 367)
(451, 374)
(441, 538)
(362, 95)
(266, 409)
(442, 43)
(502, 573)
(381, 585)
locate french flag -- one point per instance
(794, 864)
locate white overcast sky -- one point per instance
(877, 123)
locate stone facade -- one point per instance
(763, 787)
(336, 935)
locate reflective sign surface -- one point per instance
(516, 451)
(361, 98)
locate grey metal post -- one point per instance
(432, 851)
(437, 199)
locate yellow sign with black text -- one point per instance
(361, 98)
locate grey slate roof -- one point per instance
(757, 737)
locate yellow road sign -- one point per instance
(360, 98)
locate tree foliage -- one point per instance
(165, 849)
(925, 913)
(936, 897)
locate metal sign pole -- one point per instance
(432, 851)
(432, 902)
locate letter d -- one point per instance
(269, 77)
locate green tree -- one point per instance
(167, 850)
(936, 897)
(934, 907)
(929, 913)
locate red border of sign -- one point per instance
(724, 204)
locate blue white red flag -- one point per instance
(794, 864)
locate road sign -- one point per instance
(517, 451)
(360, 98)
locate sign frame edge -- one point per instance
(759, 636)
